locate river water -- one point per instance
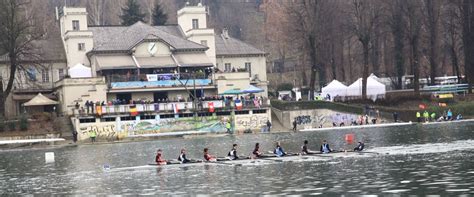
(415, 159)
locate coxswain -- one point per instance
(233, 153)
(182, 157)
(304, 148)
(158, 159)
(209, 157)
(279, 150)
(359, 147)
(325, 147)
(256, 151)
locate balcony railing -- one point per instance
(170, 107)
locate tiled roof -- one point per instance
(120, 38)
(231, 46)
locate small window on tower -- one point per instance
(81, 46)
(75, 25)
(195, 24)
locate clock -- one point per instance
(152, 48)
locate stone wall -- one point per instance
(315, 118)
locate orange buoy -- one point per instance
(350, 138)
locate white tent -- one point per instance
(335, 88)
(40, 100)
(80, 71)
(374, 88)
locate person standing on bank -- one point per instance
(74, 136)
(269, 125)
(228, 126)
(92, 135)
(294, 125)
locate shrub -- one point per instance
(23, 123)
(2, 125)
(285, 86)
(11, 126)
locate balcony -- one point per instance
(219, 104)
(151, 81)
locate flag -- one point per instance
(99, 110)
(175, 108)
(133, 110)
(422, 106)
(238, 105)
(211, 106)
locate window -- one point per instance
(204, 42)
(195, 24)
(31, 73)
(75, 25)
(61, 73)
(81, 46)
(45, 75)
(248, 68)
(228, 67)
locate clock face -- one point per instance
(152, 48)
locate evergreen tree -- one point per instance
(159, 16)
(131, 13)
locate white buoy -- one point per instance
(49, 157)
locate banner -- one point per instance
(211, 106)
(151, 77)
(133, 110)
(99, 110)
(442, 96)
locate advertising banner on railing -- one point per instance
(150, 77)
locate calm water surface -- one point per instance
(420, 160)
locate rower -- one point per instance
(359, 147)
(158, 159)
(209, 157)
(279, 150)
(325, 147)
(233, 153)
(304, 148)
(256, 152)
(182, 157)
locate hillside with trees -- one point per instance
(316, 41)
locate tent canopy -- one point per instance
(374, 88)
(40, 100)
(232, 92)
(335, 88)
(252, 89)
(80, 71)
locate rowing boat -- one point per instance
(263, 159)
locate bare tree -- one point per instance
(396, 21)
(452, 35)
(467, 10)
(365, 14)
(412, 13)
(432, 11)
(17, 33)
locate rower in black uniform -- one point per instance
(305, 150)
(182, 157)
(256, 151)
(359, 147)
(233, 153)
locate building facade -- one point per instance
(154, 75)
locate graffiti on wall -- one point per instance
(121, 129)
(251, 122)
(104, 132)
(303, 120)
